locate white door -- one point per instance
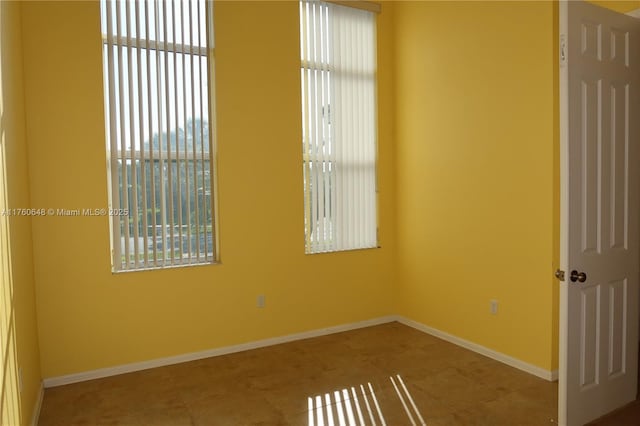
(599, 116)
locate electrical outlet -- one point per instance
(493, 306)
(260, 301)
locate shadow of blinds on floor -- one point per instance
(359, 405)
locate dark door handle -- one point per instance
(577, 276)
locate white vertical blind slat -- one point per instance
(185, 84)
(132, 134)
(161, 136)
(112, 131)
(320, 85)
(151, 58)
(141, 121)
(122, 130)
(211, 111)
(361, 132)
(202, 97)
(303, 93)
(327, 145)
(168, 81)
(338, 119)
(192, 40)
(176, 85)
(372, 149)
(313, 119)
(310, 133)
(307, 119)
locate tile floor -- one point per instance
(341, 376)
(626, 416)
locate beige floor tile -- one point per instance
(235, 410)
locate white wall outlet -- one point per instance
(493, 306)
(260, 301)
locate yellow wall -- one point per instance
(90, 318)
(477, 179)
(18, 334)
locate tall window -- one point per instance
(157, 59)
(338, 69)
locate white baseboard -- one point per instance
(505, 359)
(36, 409)
(635, 13)
(161, 362)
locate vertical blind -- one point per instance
(338, 70)
(156, 57)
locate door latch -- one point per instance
(559, 274)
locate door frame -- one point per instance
(563, 314)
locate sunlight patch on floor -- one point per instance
(404, 404)
(359, 406)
